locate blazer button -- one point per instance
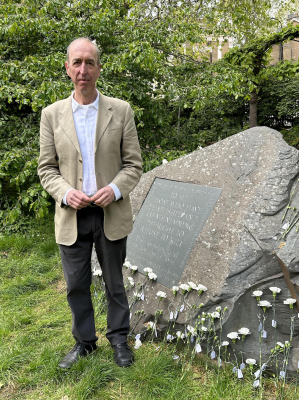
(80, 179)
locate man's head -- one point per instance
(83, 66)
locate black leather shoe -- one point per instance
(123, 355)
(79, 350)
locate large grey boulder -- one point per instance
(240, 248)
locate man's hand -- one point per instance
(103, 197)
(77, 199)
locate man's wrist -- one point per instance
(65, 196)
(117, 194)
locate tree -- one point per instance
(250, 64)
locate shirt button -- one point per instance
(80, 179)
(80, 161)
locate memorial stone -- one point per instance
(242, 246)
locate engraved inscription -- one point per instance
(168, 224)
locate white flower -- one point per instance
(201, 288)
(164, 161)
(137, 295)
(191, 330)
(131, 280)
(233, 335)
(264, 304)
(279, 344)
(250, 361)
(203, 320)
(203, 328)
(161, 295)
(215, 314)
(147, 270)
(175, 289)
(275, 289)
(180, 335)
(192, 285)
(225, 343)
(127, 264)
(257, 293)
(244, 331)
(138, 343)
(151, 276)
(289, 301)
(184, 287)
(218, 308)
(133, 267)
(152, 325)
(97, 272)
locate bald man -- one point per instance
(89, 163)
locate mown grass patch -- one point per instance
(35, 333)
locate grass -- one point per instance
(35, 333)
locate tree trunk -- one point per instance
(253, 109)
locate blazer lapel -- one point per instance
(103, 119)
(66, 120)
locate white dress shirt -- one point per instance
(85, 119)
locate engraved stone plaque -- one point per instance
(167, 226)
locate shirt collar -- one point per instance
(76, 105)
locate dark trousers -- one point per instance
(76, 262)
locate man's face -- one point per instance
(82, 66)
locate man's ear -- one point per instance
(66, 64)
(99, 69)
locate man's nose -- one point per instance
(83, 68)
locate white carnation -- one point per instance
(244, 331)
(233, 335)
(264, 303)
(201, 288)
(161, 295)
(289, 301)
(251, 361)
(127, 264)
(184, 287)
(152, 276)
(180, 335)
(257, 293)
(192, 285)
(275, 289)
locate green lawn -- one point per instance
(35, 333)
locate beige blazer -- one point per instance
(117, 159)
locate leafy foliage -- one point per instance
(179, 99)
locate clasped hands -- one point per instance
(77, 199)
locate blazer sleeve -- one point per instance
(131, 171)
(48, 166)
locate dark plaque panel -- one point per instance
(168, 224)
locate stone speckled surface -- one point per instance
(233, 254)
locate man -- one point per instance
(89, 163)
